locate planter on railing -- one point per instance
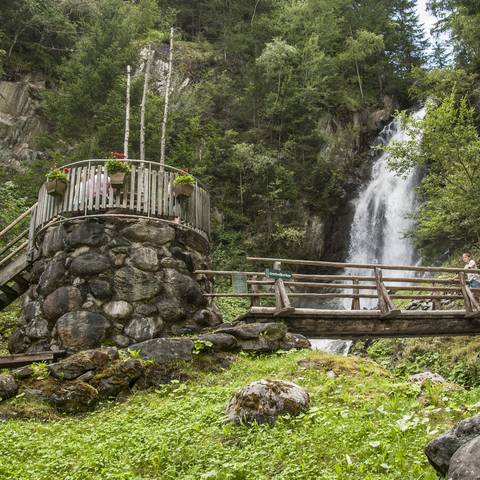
(183, 190)
(55, 187)
(117, 179)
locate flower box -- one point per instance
(183, 189)
(117, 179)
(55, 187)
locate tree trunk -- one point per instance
(127, 115)
(142, 106)
(167, 98)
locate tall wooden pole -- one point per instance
(167, 98)
(127, 114)
(142, 106)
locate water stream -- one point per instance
(381, 221)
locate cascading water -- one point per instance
(381, 221)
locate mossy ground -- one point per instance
(363, 424)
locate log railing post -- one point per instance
(356, 300)
(472, 308)
(282, 302)
(436, 303)
(255, 300)
(387, 307)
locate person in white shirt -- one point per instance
(473, 278)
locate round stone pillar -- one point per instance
(114, 281)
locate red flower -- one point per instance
(118, 155)
(66, 170)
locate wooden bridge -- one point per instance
(147, 193)
(276, 293)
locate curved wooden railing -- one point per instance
(148, 192)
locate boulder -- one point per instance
(165, 349)
(206, 318)
(90, 263)
(132, 284)
(22, 372)
(8, 386)
(74, 397)
(250, 331)
(160, 374)
(79, 363)
(62, 300)
(89, 233)
(146, 309)
(121, 341)
(171, 310)
(52, 276)
(17, 341)
(118, 377)
(184, 287)
(81, 330)
(144, 328)
(118, 310)
(221, 342)
(145, 258)
(31, 310)
(37, 329)
(42, 345)
(259, 345)
(265, 400)
(54, 241)
(100, 288)
(184, 256)
(465, 462)
(426, 376)
(294, 341)
(144, 232)
(441, 449)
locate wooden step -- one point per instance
(22, 359)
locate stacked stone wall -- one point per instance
(114, 281)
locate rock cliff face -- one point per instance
(20, 121)
(115, 281)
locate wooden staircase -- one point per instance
(15, 263)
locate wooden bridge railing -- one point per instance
(385, 290)
(148, 192)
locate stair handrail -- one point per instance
(17, 220)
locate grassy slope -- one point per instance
(364, 424)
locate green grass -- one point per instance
(364, 424)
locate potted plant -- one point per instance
(117, 169)
(57, 180)
(184, 185)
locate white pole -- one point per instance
(142, 106)
(127, 114)
(167, 98)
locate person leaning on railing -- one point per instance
(470, 264)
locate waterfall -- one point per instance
(381, 220)
(383, 209)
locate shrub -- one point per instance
(60, 174)
(114, 165)
(185, 180)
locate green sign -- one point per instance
(239, 283)
(273, 273)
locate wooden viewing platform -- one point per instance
(279, 289)
(147, 193)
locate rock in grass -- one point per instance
(441, 450)
(264, 401)
(465, 462)
(8, 386)
(79, 363)
(426, 376)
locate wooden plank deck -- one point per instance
(369, 323)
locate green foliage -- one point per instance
(447, 143)
(57, 174)
(40, 370)
(114, 165)
(361, 425)
(185, 180)
(201, 346)
(232, 307)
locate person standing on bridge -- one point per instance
(470, 264)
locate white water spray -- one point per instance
(381, 221)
